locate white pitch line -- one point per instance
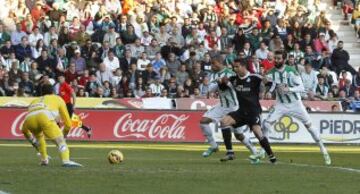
(318, 166)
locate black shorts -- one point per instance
(70, 109)
(242, 119)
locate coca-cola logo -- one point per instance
(165, 126)
(16, 125)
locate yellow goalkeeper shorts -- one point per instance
(39, 122)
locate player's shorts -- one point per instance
(242, 119)
(41, 122)
(217, 112)
(295, 109)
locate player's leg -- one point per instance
(77, 122)
(52, 131)
(255, 125)
(239, 135)
(226, 123)
(301, 114)
(42, 149)
(32, 132)
(210, 116)
(274, 115)
(264, 142)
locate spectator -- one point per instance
(310, 79)
(262, 52)
(152, 49)
(173, 64)
(92, 85)
(26, 84)
(143, 62)
(111, 61)
(79, 61)
(156, 87)
(182, 75)
(158, 63)
(149, 74)
(111, 36)
(104, 73)
(340, 58)
(127, 61)
(46, 64)
(7, 49)
(4, 36)
(268, 63)
(321, 89)
(23, 49)
(17, 36)
(70, 74)
(349, 89)
(357, 80)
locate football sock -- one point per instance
(246, 141)
(265, 129)
(208, 134)
(265, 144)
(86, 128)
(226, 133)
(317, 140)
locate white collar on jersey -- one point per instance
(247, 75)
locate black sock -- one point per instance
(265, 144)
(87, 129)
(226, 133)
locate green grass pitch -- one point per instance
(178, 168)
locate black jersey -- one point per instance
(248, 93)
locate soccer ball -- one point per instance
(115, 157)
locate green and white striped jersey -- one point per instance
(227, 97)
(287, 77)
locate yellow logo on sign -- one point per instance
(287, 126)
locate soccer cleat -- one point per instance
(71, 164)
(259, 155)
(44, 162)
(257, 161)
(327, 159)
(227, 157)
(272, 159)
(210, 151)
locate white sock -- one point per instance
(209, 135)
(265, 129)
(317, 140)
(246, 141)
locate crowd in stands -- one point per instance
(144, 48)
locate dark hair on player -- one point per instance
(280, 52)
(47, 89)
(242, 62)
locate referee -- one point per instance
(69, 96)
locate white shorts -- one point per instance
(295, 109)
(217, 112)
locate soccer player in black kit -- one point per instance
(247, 88)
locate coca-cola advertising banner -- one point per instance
(204, 104)
(119, 125)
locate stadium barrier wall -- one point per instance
(159, 103)
(183, 126)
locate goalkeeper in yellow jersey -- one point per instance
(41, 122)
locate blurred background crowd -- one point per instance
(138, 48)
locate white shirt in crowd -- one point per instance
(142, 63)
(156, 89)
(310, 80)
(262, 54)
(113, 64)
(33, 38)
